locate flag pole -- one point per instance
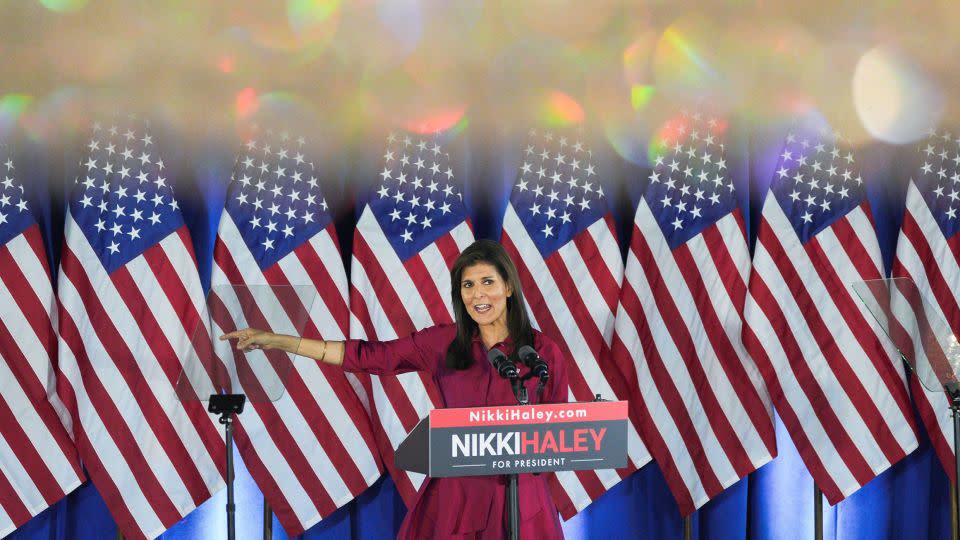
(267, 520)
(817, 513)
(688, 527)
(953, 511)
(955, 409)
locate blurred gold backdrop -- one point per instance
(876, 70)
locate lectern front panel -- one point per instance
(535, 438)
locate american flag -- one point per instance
(312, 450)
(408, 235)
(705, 414)
(834, 377)
(38, 460)
(130, 297)
(928, 253)
(559, 231)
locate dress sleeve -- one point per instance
(558, 385)
(421, 351)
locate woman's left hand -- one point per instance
(251, 338)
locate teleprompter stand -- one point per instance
(227, 405)
(953, 390)
(926, 341)
(215, 371)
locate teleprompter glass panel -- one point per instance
(916, 325)
(216, 366)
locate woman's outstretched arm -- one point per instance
(421, 351)
(329, 352)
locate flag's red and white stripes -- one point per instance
(931, 261)
(572, 297)
(38, 460)
(312, 449)
(124, 338)
(704, 412)
(833, 376)
(390, 298)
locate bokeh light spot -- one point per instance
(12, 107)
(681, 63)
(666, 135)
(305, 13)
(682, 49)
(64, 111)
(246, 102)
(314, 21)
(64, 6)
(894, 100)
(226, 64)
(633, 54)
(461, 126)
(637, 58)
(560, 110)
(675, 128)
(436, 121)
(640, 95)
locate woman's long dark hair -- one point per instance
(459, 355)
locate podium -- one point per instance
(510, 439)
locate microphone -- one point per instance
(533, 361)
(501, 364)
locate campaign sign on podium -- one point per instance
(479, 441)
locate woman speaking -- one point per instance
(490, 313)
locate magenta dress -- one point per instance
(469, 507)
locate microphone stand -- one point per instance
(513, 487)
(498, 359)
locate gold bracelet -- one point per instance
(323, 355)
